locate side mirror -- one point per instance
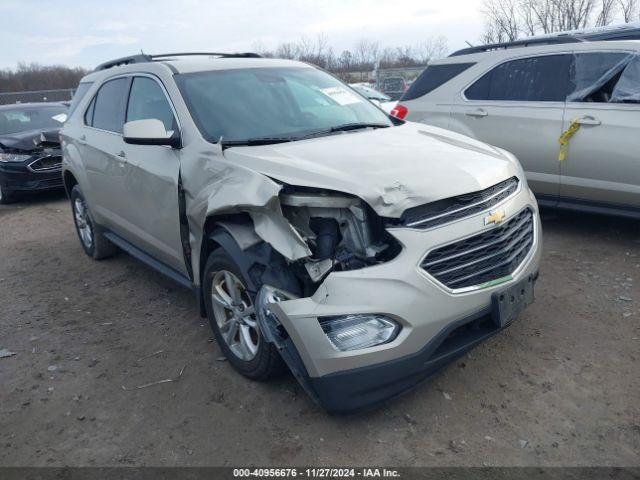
(149, 132)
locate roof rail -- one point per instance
(629, 31)
(144, 58)
(141, 58)
(525, 42)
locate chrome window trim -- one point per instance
(493, 283)
(128, 75)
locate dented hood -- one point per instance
(28, 141)
(392, 169)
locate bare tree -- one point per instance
(305, 47)
(430, 49)
(629, 10)
(608, 10)
(503, 19)
(367, 53)
(508, 20)
(362, 58)
(39, 77)
(287, 50)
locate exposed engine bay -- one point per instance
(342, 231)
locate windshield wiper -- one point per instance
(343, 128)
(251, 142)
(356, 126)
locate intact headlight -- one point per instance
(353, 332)
(13, 157)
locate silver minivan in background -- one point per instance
(567, 107)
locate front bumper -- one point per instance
(427, 311)
(18, 177)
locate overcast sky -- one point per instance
(87, 32)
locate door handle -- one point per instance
(121, 157)
(478, 112)
(589, 120)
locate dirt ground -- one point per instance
(561, 386)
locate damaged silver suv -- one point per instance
(362, 252)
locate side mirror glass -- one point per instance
(149, 131)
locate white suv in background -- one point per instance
(532, 96)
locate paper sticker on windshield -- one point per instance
(341, 96)
(61, 117)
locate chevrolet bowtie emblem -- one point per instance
(494, 217)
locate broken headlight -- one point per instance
(354, 332)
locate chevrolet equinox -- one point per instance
(317, 233)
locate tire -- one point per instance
(93, 242)
(266, 362)
(5, 196)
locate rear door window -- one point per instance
(110, 103)
(627, 90)
(147, 100)
(433, 77)
(533, 79)
(595, 74)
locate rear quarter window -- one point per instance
(81, 91)
(434, 76)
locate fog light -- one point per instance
(353, 332)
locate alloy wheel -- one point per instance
(235, 315)
(83, 223)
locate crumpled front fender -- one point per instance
(215, 186)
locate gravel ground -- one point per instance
(559, 387)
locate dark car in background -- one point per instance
(393, 87)
(30, 157)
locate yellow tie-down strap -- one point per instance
(563, 139)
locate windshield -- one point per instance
(24, 119)
(371, 94)
(273, 103)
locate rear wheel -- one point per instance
(232, 316)
(93, 243)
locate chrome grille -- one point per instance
(45, 164)
(454, 208)
(483, 258)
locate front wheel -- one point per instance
(233, 320)
(5, 196)
(93, 243)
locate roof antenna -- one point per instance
(468, 43)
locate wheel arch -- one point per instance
(259, 261)
(69, 181)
